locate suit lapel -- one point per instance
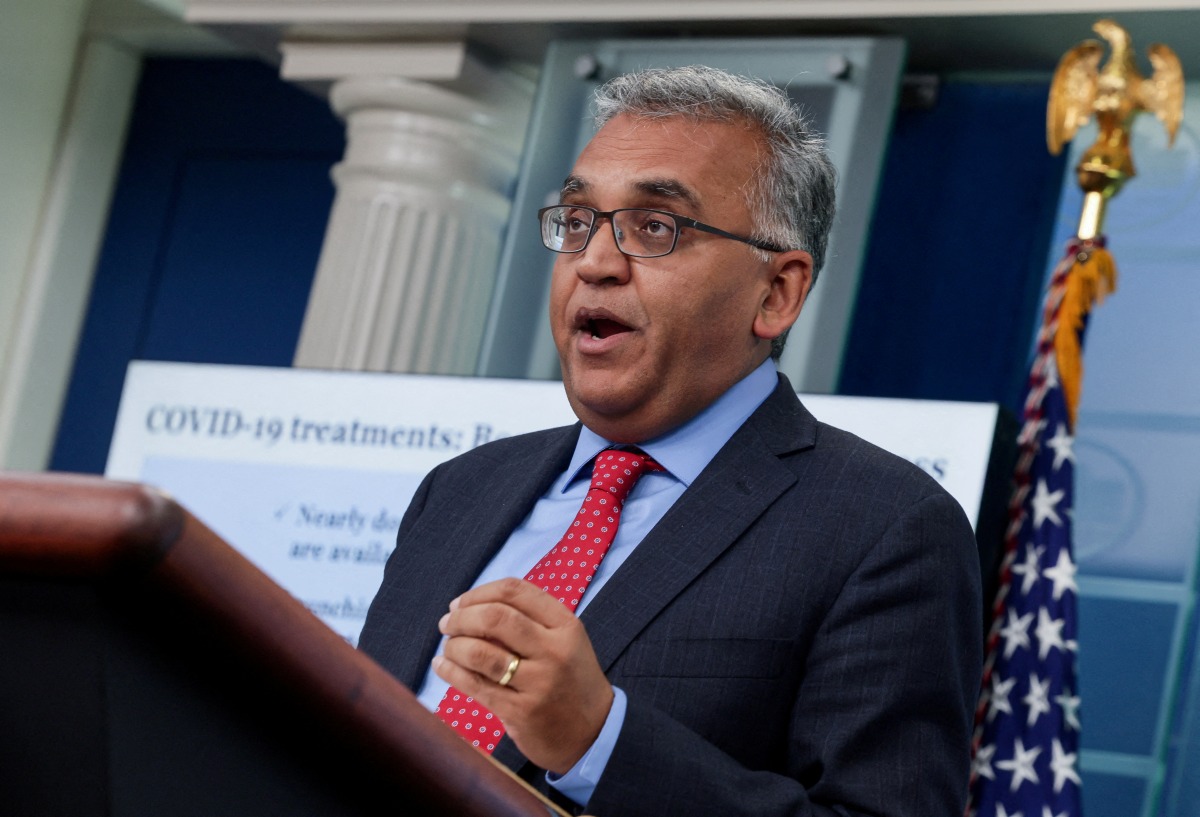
(741, 482)
(475, 534)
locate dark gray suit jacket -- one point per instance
(800, 634)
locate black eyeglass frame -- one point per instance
(680, 221)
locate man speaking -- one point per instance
(698, 600)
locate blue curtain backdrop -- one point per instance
(954, 270)
(212, 241)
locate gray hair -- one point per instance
(792, 198)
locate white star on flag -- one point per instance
(999, 700)
(1021, 764)
(1061, 442)
(1070, 708)
(982, 762)
(1044, 502)
(1049, 633)
(1062, 574)
(1001, 811)
(1016, 632)
(1030, 569)
(1063, 766)
(1038, 699)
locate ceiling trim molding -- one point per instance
(304, 60)
(525, 11)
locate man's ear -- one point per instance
(791, 278)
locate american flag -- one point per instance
(1026, 743)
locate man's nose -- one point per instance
(602, 260)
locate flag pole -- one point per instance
(1025, 746)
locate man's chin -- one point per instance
(598, 407)
(604, 406)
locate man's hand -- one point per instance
(558, 699)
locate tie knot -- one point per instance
(616, 471)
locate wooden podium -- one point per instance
(147, 668)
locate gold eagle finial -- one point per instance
(1115, 94)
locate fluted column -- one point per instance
(408, 265)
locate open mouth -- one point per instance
(601, 328)
(594, 326)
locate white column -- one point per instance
(408, 265)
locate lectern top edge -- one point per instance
(72, 524)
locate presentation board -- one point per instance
(308, 472)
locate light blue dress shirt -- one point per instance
(684, 453)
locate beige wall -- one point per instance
(38, 41)
(65, 96)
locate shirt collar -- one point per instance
(686, 451)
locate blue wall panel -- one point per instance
(1110, 795)
(213, 237)
(238, 263)
(954, 269)
(1126, 659)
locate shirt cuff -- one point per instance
(580, 781)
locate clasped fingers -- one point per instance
(496, 622)
(491, 662)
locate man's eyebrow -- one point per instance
(573, 186)
(669, 189)
(651, 188)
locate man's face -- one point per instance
(647, 343)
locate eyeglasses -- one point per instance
(639, 233)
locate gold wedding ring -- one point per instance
(510, 672)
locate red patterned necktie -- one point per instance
(564, 572)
